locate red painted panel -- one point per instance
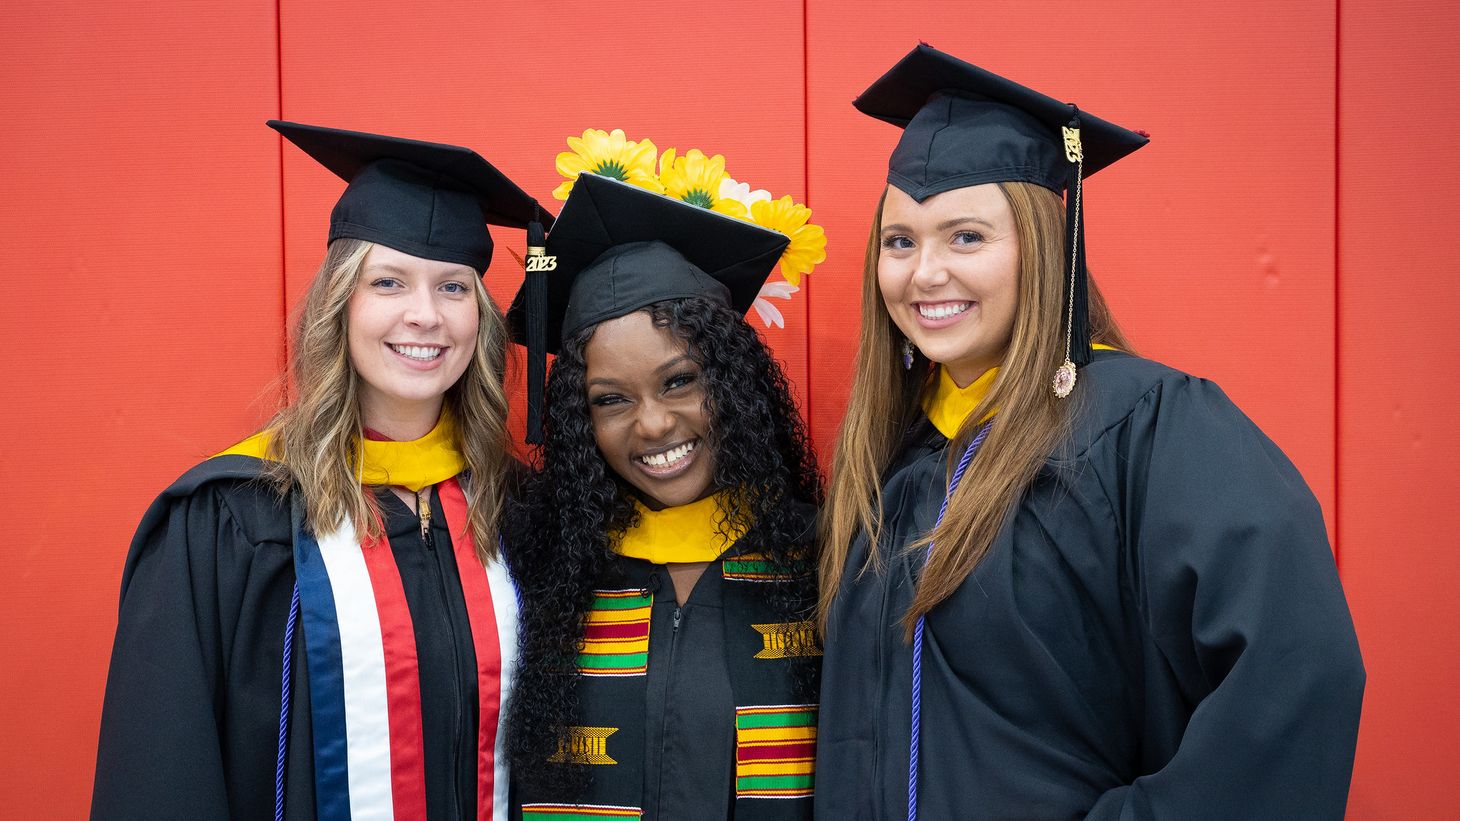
(515, 82)
(1214, 243)
(1399, 452)
(142, 224)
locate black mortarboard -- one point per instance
(618, 248)
(963, 125)
(430, 200)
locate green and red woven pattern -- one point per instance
(775, 751)
(559, 812)
(616, 642)
(753, 567)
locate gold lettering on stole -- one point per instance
(787, 640)
(585, 745)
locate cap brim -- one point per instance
(602, 213)
(900, 93)
(346, 153)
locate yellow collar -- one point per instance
(677, 534)
(947, 405)
(420, 463)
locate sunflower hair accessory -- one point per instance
(700, 179)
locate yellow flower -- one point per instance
(608, 154)
(696, 179)
(808, 242)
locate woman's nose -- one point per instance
(931, 269)
(655, 420)
(422, 310)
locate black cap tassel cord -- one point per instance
(536, 293)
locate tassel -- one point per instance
(536, 286)
(1080, 296)
(1077, 289)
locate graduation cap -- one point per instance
(430, 200)
(964, 125)
(617, 248)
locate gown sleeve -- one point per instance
(160, 754)
(1240, 596)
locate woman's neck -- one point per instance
(402, 424)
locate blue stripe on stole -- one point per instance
(326, 680)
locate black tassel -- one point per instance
(1080, 316)
(536, 285)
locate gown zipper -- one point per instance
(423, 511)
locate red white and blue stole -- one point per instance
(364, 680)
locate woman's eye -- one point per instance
(967, 238)
(604, 400)
(679, 381)
(385, 282)
(897, 242)
(454, 287)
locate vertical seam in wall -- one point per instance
(1337, 286)
(283, 223)
(808, 410)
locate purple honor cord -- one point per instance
(917, 647)
(284, 706)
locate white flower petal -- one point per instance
(780, 289)
(769, 314)
(732, 190)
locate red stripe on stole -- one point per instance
(777, 752)
(402, 681)
(483, 618)
(631, 630)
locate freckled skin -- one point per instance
(952, 249)
(645, 395)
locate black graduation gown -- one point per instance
(190, 723)
(667, 738)
(1158, 632)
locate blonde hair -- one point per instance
(885, 401)
(317, 436)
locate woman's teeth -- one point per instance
(424, 353)
(669, 457)
(944, 310)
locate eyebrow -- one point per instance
(667, 366)
(942, 226)
(673, 363)
(384, 267)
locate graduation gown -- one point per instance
(190, 724)
(700, 718)
(1157, 632)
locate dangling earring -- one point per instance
(907, 354)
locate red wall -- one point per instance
(1281, 234)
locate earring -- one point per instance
(907, 354)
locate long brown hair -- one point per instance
(317, 436)
(885, 401)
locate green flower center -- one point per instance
(613, 169)
(700, 197)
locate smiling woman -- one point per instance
(412, 332)
(949, 275)
(1058, 580)
(316, 622)
(664, 549)
(647, 402)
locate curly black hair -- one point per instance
(570, 511)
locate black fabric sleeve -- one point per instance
(160, 753)
(1234, 577)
